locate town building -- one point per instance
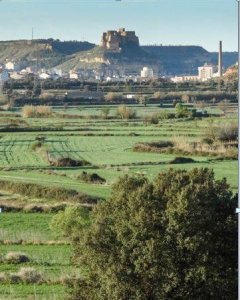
(73, 75)
(147, 73)
(44, 76)
(12, 66)
(187, 78)
(16, 76)
(205, 72)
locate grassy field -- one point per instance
(80, 133)
(30, 234)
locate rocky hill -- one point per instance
(44, 53)
(128, 60)
(165, 60)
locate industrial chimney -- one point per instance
(220, 66)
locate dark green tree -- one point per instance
(182, 111)
(175, 238)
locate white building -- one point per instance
(130, 96)
(177, 79)
(109, 79)
(11, 66)
(31, 70)
(16, 76)
(44, 76)
(147, 73)
(73, 75)
(205, 72)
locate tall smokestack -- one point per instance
(220, 66)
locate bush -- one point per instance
(32, 208)
(182, 160)
(125, 112)
(47, 96)
(67, 222)
(93, 178)
(36, 145)
(68, 162)
(3, 277)
(52, 193)
(16, 258)
(113, 97)
(151, 119)
(30, 111)
(157, 95)
(105, 111)
(185, 98)
(14, 278)
(227, 132)
(40, 138)
(143, 100)
(164, 114)
(3, 99)
(182, 111)
(30, 275)
(153, 147)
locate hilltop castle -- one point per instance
(115, 40)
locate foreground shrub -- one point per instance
(16, 258)
(174, 238)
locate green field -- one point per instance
(80, 133)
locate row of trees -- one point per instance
(174, 238)
(197, 98)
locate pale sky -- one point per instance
(175, 22)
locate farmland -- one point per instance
(105, 145)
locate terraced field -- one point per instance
(80, 134)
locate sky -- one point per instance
(167, 22)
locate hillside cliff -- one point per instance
(68, 55)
